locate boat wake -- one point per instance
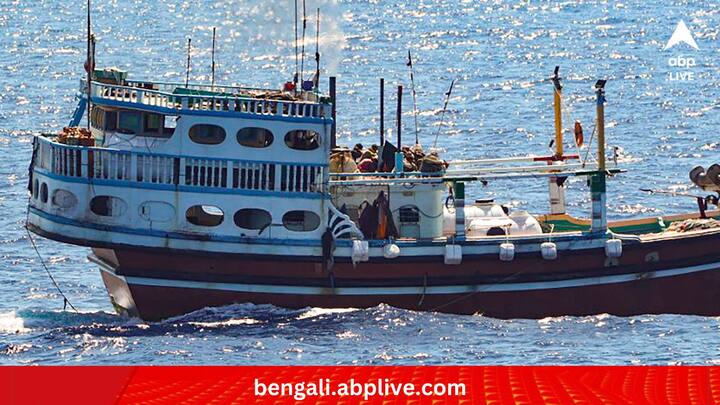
(265, 334)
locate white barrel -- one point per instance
(549, 250)
(453, 254)
(613, 248)
(481, 226)
(507, 252)
(526, 224)
(472, 212)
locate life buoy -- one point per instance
(579, 137)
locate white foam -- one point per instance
(11, 323)
(313, 312)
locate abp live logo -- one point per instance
(681, 65)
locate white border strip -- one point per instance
(419, 290)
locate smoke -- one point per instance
(275, 22)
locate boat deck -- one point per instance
(179, 99)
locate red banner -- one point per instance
(360, 385)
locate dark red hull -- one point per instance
(678, 277)
(696, 294)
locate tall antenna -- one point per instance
(317, 50)
(302, 57)
(412, 83)
(295, 77)
(382, 111)
(212, 83)
(89, 63)
(187, 70)
(442, 116)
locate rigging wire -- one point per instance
(414, 94)
(442, 116)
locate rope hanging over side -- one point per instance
(66, 301)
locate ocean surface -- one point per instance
(500, 53)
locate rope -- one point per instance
(421, 212)
(66, 301)
(567, 113)
(468, 295)
(587, 152)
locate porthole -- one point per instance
(63, 199)
(301, 221)
(107, 206)
(207, 134)
(252, 218)
(204, 215)
(44, 193)
(302, 140)
(35, 189)
(254, 137)
(157, 211)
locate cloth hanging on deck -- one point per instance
(386, 226)
(368, 219)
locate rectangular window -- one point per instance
(111, 120)
(170, 125)
(129, 122)
(97, 117)
(152, 124)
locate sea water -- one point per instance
(661, 115)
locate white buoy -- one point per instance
(507, 252)
(549, 250)
(391, 251)
(453, 254)
(613, 248)
(360, 251)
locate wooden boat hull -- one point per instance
(567, 223)
(671, 275)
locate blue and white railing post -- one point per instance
(459, 203)
(597, 179)
(399, 157)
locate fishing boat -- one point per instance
(198, 195)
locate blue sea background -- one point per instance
(501, 54)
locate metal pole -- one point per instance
(317, 51)
(600, 90)
(302, 53)
(333, 130)
(89, 65)
(399, 166)
(382, 111)
(212, 84)
(598, 188)
(558, 113)
(297, 63)
(399, 116)
(187, 71)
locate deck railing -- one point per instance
(164, 96)
(169, 87)
(149, 168)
